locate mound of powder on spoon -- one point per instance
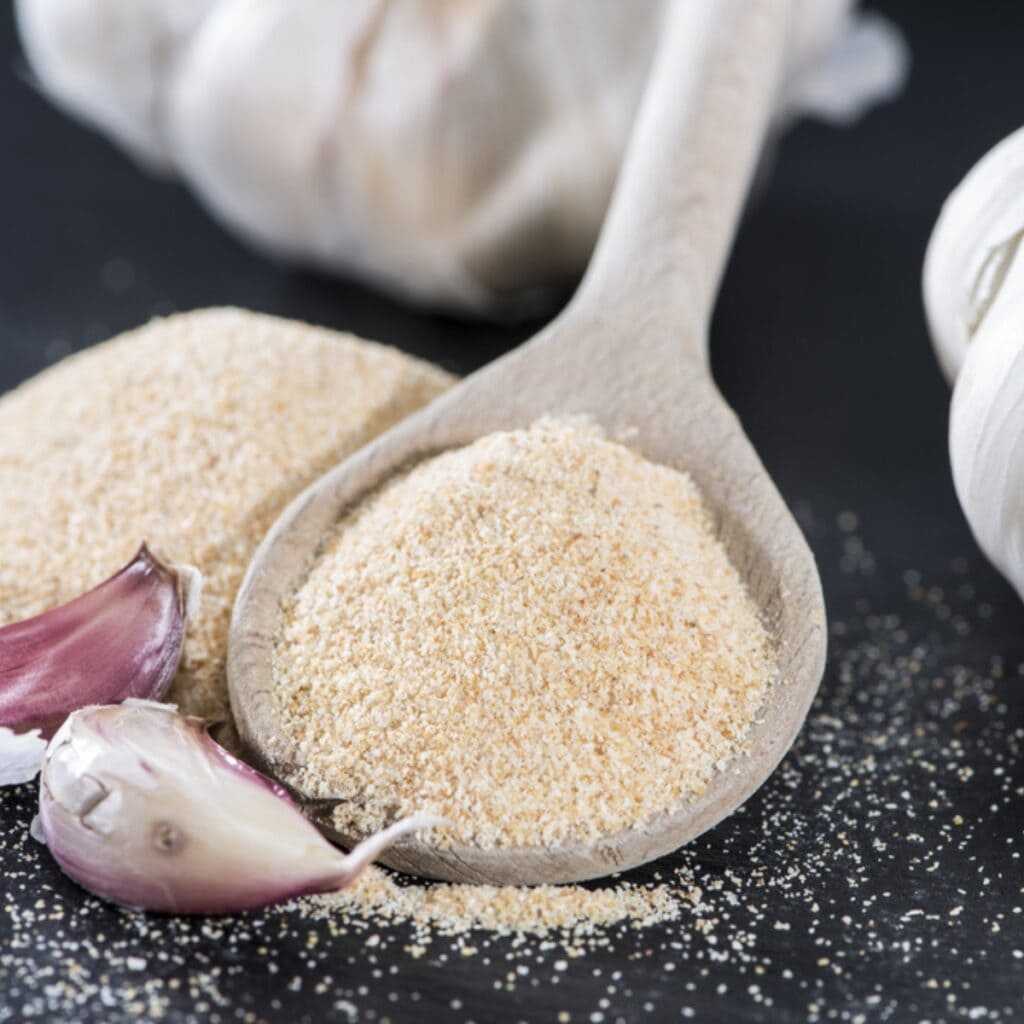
(538, 636)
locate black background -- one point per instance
(819, 344)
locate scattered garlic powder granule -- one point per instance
(191, 433)
(446, 909)
(537, 636)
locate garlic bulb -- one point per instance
(974, 298)
(121, 639)
(141, 807)
(460, 152)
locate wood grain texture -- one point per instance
(629, 351)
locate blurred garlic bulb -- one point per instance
(461, 152)
(974, 298)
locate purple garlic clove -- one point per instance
(121, 639)
(140, 806)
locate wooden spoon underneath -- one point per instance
(630, 351)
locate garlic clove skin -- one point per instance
(121, 639)
(141, 807)
(970, 250)
(843, 62)
(21, 755)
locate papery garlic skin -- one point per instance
(986, 431)
(109, 61)
(141, 807)
(121, 639)
(974, 297)
(461, 153)
(21, 755)
(842, 62)
(970, 249)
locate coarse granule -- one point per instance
(192, 433)
(572, 911)
(837, 893)
(537, 636)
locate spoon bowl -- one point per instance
(630, 353)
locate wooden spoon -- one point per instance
(630, 351)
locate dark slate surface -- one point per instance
(877, 876)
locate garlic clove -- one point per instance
(974, 296)
(986, 424)
(971, 248)
(121, 639)
(141, 807)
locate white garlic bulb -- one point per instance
(974, 297)
(460, 152)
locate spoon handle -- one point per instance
(689, 163)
